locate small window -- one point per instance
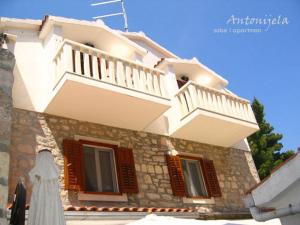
(99, 169)
(193, 177)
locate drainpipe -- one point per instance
(261, 216)
(7, 63)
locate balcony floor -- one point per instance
(213, 128)
(86, 99)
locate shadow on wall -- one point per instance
(19, 89)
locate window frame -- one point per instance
(200, 161)
(100, 144)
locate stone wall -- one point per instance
(7, 62)
(33, 131)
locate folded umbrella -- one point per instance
(17, 216)
(45, 204)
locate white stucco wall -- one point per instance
(29, 90)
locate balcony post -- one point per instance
(7, 63)
(170, 79)
(120, 74)
(67, 53)
(193, 94)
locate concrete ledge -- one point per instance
(97, 197)
(205, 201)
(224, 216)
(100, 216)
(123, 215)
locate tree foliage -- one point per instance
(265, 144)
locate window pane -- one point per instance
(90, 169)
(197, 184)
(193, 178)
(186, 176)
(107, 175)
(99, 166)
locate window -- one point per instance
(99, 169)
(193, 177)
(182, 81)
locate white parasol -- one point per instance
(45, 204)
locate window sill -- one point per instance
(102, 197)
(209, 201)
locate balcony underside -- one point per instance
(213, 128)
(86, 99)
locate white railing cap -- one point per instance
(184, 87)
(82, 46)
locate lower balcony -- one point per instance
(211, 116)
(92, 85)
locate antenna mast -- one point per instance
(113, 14)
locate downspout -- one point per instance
(261, 216)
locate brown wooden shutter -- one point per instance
(211, 179)
(176, 175)
(126, 171)
(73, 165)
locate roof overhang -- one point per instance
(140, 36)
(192, 67)
(51, 21)
(27, 24)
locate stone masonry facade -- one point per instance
(33, 131)
(7, 62)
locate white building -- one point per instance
(278, 195)
(80, 83)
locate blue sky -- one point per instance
(264, 64)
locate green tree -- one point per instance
(265, 144)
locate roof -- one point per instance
(143, 37)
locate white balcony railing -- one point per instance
(90, 62)
(192, 96)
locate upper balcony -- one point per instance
(212, 116)
(95, 86)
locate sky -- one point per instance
(257, 60)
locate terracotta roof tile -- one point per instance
(159, 62)
(81, 208)
(141, 209)
(43, 22)
(9, 206)
(103, 209)
(92, 208)
(119, 209)
(69, 208)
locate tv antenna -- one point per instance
(113, 14)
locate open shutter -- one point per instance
(211, 179)
(176, 175)
(126, 170)
(73, 165)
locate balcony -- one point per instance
(92, 85)
(211, 116)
